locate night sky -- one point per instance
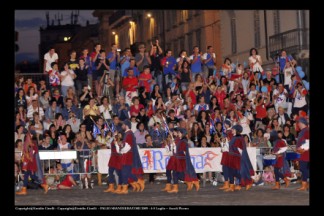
(28, 22)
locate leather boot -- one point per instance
(99, 179)
(119, 189)
(174, 189)
(22, 192)
(248, 187)
(196, 184)
(124, 190)
(189, 186)
(287, 182)
(303, 187)
(110, 188)
(238, 187)
(231, 188)
(136, 187)
(277, 186)
(225, 186)
(45, 187)
(167, 187)
(141, 183)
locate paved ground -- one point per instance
(209, 195)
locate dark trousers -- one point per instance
(304, 168)
(278, 174)
(225, 172)
(111, 177)
(233, 173)
(28, 174)
(127, 173)
(281, 78)
(296, 110)
(175, 177)
(168, 175)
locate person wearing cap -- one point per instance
(239, 162)
(170, 150)
(225, 158)
(184, 168)
(114, 164)
(132, 169)
(281, 165)
(302, 147)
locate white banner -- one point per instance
(154, 160)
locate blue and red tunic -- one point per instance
(279, 143)
(190, 173)
(302, 136)
(115, 157)
(127, 158)
(180, 157)
(234, 156)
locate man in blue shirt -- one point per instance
(282, 59)
(195, 61)
(169, 64)
(209, 60)
(113, 58)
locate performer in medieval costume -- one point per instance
(303, 148)
(224, 149)
(239, 164)
(31, 165)
(114, 165)
(184, 168)
(130, 161)
(170, 150)
(281, 167)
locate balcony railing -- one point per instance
(292, 41)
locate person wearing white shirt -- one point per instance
(50, 57)
(67, 77)
(300, 102)
(105, 108)
(279, 97)
(209, 60)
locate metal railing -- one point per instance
(293, 41)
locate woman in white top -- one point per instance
(245, 123)
(105, 108)
(255, 61)
(67, 76)
(31, 95)
(245, 82)
(300, 102)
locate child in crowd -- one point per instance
(268, 175)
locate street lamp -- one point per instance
(113, 33)
(149, 15)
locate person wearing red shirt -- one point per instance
(261, 112)
(136, 107)
(130, 84)
(145, 79)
